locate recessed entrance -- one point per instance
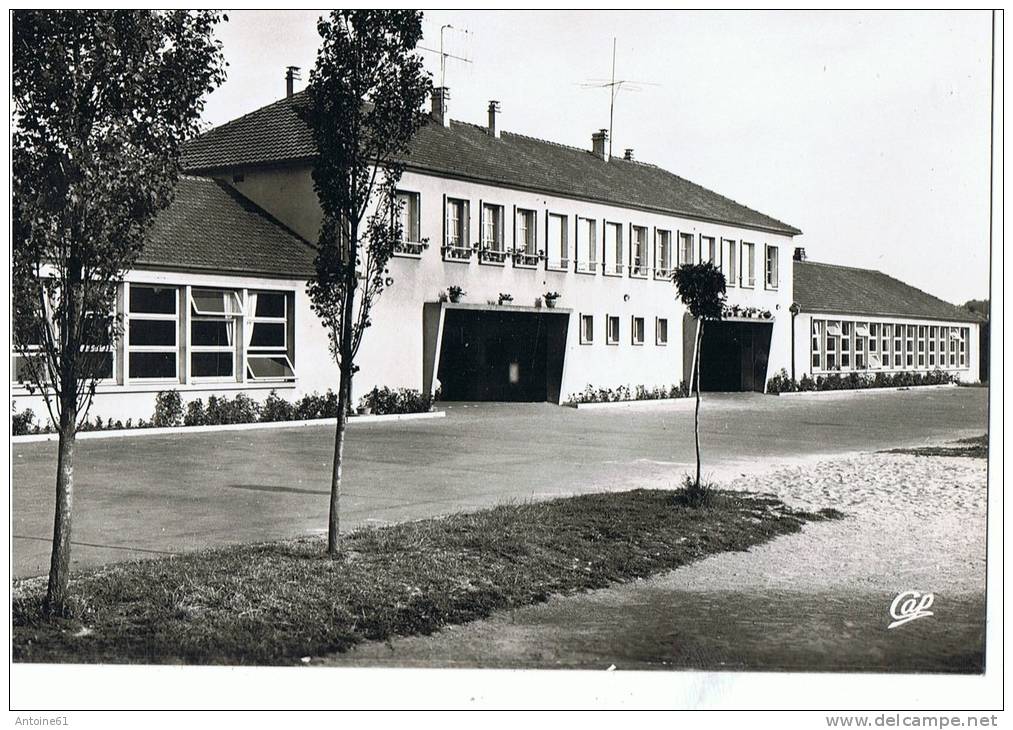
(733, 356)
(499, 354)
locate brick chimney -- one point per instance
(439, 112)
(493, 110)
(598, 144)
(799, 254)
(628, 154)
(291, 75)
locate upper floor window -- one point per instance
(408, 219)
(493, 246)
(730, 261)
(152, 332)
(614, 249)
(770, 267)
(708, 250)
(662, 254)
(458, 243)
(526, 238)
(587, 245)
(558, 243)
(685, 248)
(638, 251)
(747, 277)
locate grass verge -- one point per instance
(275, 603)
(975, 447)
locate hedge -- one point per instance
(781, 382)
(590, 394)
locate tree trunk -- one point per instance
(333, 519)
(59, 566)
(696, 416)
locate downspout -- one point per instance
(794, 309)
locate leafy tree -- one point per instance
(701, 288)
(363, 106)
(103, 100)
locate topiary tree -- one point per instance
(701, 288)
(364, 105)
(103, 101)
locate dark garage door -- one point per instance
(733, 356)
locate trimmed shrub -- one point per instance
(590, 394)
(782, 383)
(384, 401)
(168, 409)
(195, 414)
(276, 408)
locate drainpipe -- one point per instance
(794, 309)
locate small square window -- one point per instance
(586, 329)
(638, 330)
(612, 330)
(661, 331)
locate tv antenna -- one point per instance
(444, 55)
(614, 86)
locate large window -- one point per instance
(965, 336)
(921, 345)
(747, 277)
(493, 246)
(885, 332)
(526, 238)
(833, 345)
(558, 243)
(730, 261)
(638, 330)
(638, 251)
(954, 338)
(457, 244)
(847, 329)
(662, 254)
(587, 245)
(685, 249)
(933, 339)
(898, 346)
(152, 332)
(614, 249)
(770, 267)
(612, 330)
(817, 340)
(214, 314)
(708, 250)
(410, 243)
(874, 359)
(861, 338)
(909, 347)
(268, 342)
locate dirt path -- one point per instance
(818, 600)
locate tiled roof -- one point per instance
(845, 290)
(209, 226)
(275, 133)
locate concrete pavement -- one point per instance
(152, 496)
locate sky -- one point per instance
(868, 131)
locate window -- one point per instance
(662, 254)
(213, 317)
(558, 243)
(886, 332)
(954, 337)
(267, 337)
(586, 329)
(748, 274)
(861, 335)
(98, 357)
(817, 339)
(730, 261)
(909, 347)
(965, 336)
(587, 245)
(921, 346)
(661, 331)
(638, 251)
(638, 330)
(457, 245)
(833, 338)
(526, 238)
(941, 348)
(770, 267)
(898, 345)
(708, 250)
(493, 249)
(408, 217)
(933, 337)
(614, 249)
(846, 332)
(152, 332)
(612, 330)
(685, 248)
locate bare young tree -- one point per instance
(103, 101)
(363, 105)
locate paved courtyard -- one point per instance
(155, 495)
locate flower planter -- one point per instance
(550, 303)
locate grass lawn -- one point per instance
(975, 447)
(275, 603)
